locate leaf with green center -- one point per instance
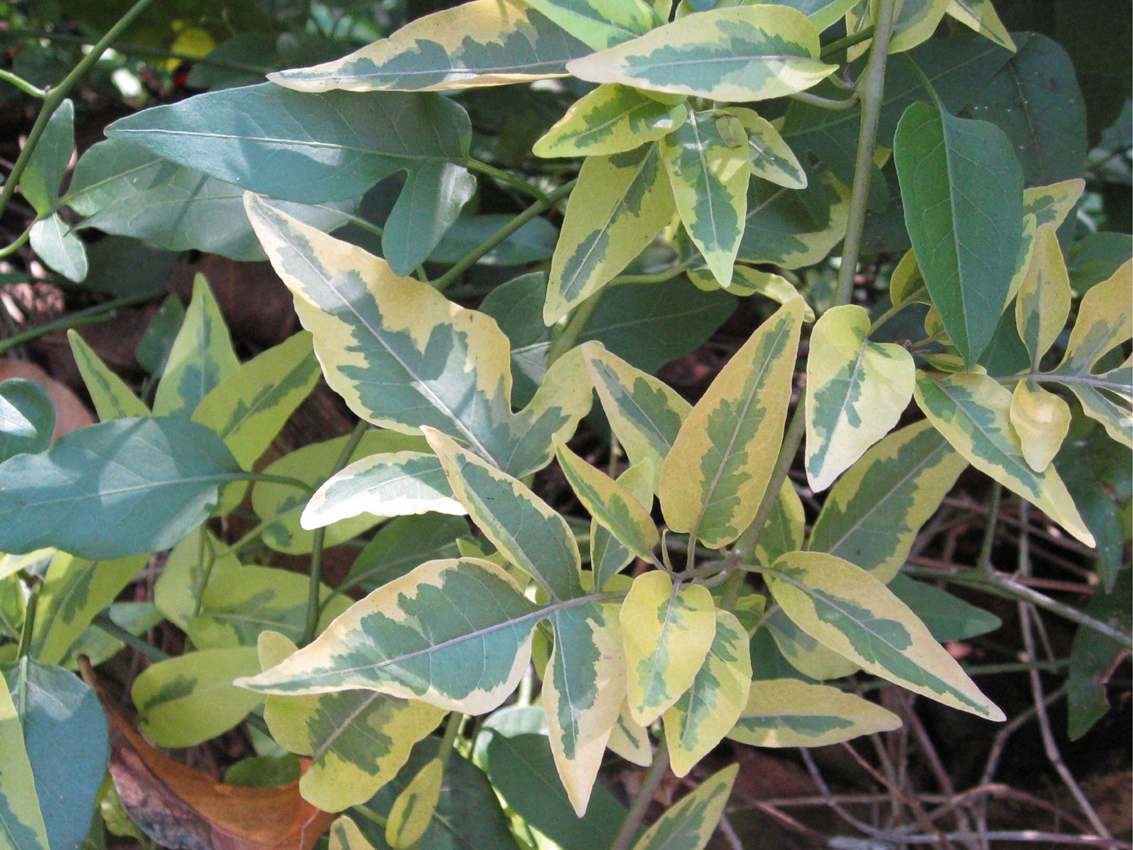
(608, 556)
(59, 247)
(611, 119)
(1042, 421)
(746, 53)
(980, 15)
(482, 43)
(1094, 657)
(914, 23)
(415, 806)
(748, 281)
(769, 157)
(973, 414)
(619, 206)
(708, 710)
(948, 618)
(453, 633)
(644, 413)
(790, 713)
(189, 699)
(804, 653)
(600, 23)
(850, 611)
(177, 592)
(823, 13)
(785, 528)
(1052, 204)
(357, 740)
(31, 403)
(872, 515)
(668, 631)
(402, 356)
(345, 835)
(709, 176)
(630, 740)
(714, 477)
(21, 821)
(1043, 303)
(690, 823)
(1105, 320)
(781, 229)
(43, 175)
(584, 687)
(528, 532)
(112, 398)
(963, 193)
(201, 357)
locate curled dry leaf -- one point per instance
(70, 413)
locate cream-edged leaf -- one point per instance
(769, 157)
(112, 398)
(608, 556)
(980, 16)
(600, 23)
(611, 119)
(690, 823)
(1052, 204)
(630, 740)
(1043, 302)
(1042, 421)
(413, 810)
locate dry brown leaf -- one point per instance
(70, 413)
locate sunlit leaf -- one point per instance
(611, 119)
(1042, 421)
(112, 398)
(769, 156)
(690, 823)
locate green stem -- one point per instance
(653, 277)
(91, 315)
(22, 84)
(505, 177)
(15, 246)
(58, 94)
(452, 730)
(989, 531)
(575, 325)
(643, 798)
(872, 89)
(849, 41)
(103, 622)
(826, 102)
(442, 282)
(24, 648)
(370, 815)
(285, 480)
(1017, 667)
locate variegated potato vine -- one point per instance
(718, 151)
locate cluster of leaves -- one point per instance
(683, 202)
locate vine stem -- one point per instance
(22, 84)
(57, 95)
(92, 315)
(849, 41)
(505, 177)
(644, 797)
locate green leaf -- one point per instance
(856, 391)
(601, 23)
(963, 194)
(189, 699)
(822, 13)
(159, 476)
(854, 614)
(769, 156)
(1093, 657)
(402, 544)
(972, 412)
(740, 54)
(608, 556)
(528, 532)
(13, 423)
(59, 247)
(201, 357)
(21, 823)
(713, 478)
(690, 823)
(668, 632)
(708, 710)
(357, 740)
(481, 43)
(31, 403)
(533, 241)
(112, 398)
(872, 515)
(59, 714)
(454, 633)
(43, 175)
(611, 119)
(619, 206)
(980, 15)
(415, 806)
(947, 617)
(152, 350)
(790, 713)
(709, 173)
(1096, 257)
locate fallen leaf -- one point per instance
(70, 413)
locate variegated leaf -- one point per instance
(781, 229)
(973, 413)
(915, 22)
(345, 835)
(584, 688)
(1023, 257)
(850, 611)
(600, 23)
(455, 633)
(1042, 421)
(1043, 303)
(906, 284)
(611, 119)
(690, 823)
(785, 527)
(668, 630)
(769, 156)
(112, 398)
(872, 515)
(708, 710)
(384, 485)
(21, 821)
(980, 15)
(856, 391)
(630, 740)
(792, 713)
(803, 652)
(190, 566)
(481, 43)
(1052, 204)
(608, 556)
(357, 740)
(707, 161)
(741, 54)
(619, 206)
(413, 810)
(528, 532)
(714, 477)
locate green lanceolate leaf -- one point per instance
(454, 633)
(584, 688)
(963, 193)
(528, 532)
(357, 740)
(708, 710)
(690, 823)
(482, 43)
(713, 478)
(43, 175)
(415, 806)
(384, 485)
(201, 357)
(740, 54)
(668, 630)
(112, 398)
(791, 713)
(1043, 303)
(59, 247)
(1042, 421)
(619, 206)
(31, 403)
(611, 119)
(610, 504)
(980, 16)
(769, 157)
(707, 161)
(601, 23)
(856, 391)
(608, 556)
(159, 476)
(403, 543)
(872, 515)
(645, 413)
(21, 822)
(854, 614)
(1052, 204)
(403, 356)
(947, 617)
(972, 412)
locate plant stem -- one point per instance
(103, 622)
(989, 531)
(58, 94)
(24, 648)
(285, 480)
(470, 259)
(847, 42)
(91, 315)
(22, 84)
(505, 177)
(643, 798)
(20, 240)
(826, 102)
(452, 729)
